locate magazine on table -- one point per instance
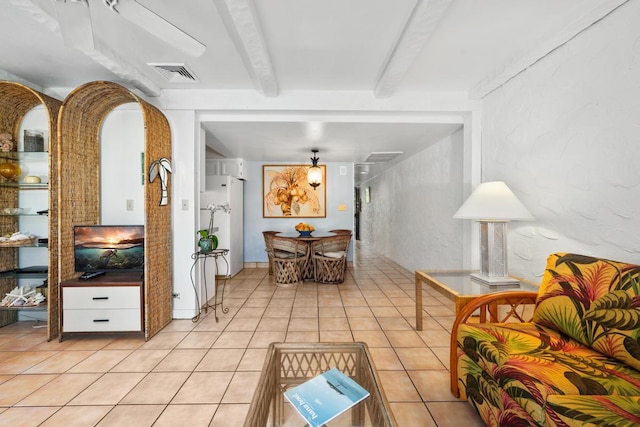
(324, 397)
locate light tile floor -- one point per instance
(203, 374)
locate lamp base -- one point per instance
(495, 281)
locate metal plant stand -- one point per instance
(197, 256)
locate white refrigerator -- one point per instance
(219, 190)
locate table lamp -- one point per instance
(493, 205)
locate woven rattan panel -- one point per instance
(80, 121)
(15, 101)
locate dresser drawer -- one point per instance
(101, 320)
(101, 297)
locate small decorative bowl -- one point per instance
(306, 233)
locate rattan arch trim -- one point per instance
(80, 120)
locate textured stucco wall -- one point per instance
(565, 136)
(409, 219)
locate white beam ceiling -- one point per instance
(421, 24)
(584, 19)
(101, 54)
(243, 26)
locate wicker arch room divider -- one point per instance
(79, 124)
(16, 100)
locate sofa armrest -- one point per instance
(489, 308)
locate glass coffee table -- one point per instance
(459, 287)
(289, 364)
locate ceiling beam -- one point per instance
(243, 26)
(105, 56)
(101, 54)
(422, 22)
(584, 19)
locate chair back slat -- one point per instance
(331, 244)
(291, 245)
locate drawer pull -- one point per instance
(100, 320)
(98, 298)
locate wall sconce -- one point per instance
(314, 176)
(493, 205)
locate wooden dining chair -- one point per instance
(330, 258)
(268, 236)
(289, 258)
(342, 231)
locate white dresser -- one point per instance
(112, 302)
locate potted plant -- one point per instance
(208, 241)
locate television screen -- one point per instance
(108, 247)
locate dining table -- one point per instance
(307, 269)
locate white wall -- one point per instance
(409, 218)
(185, 134)
(564, 134)
(121, 174)
(340, 190)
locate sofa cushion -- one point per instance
(594, 301)
(574, 411)
(530, 362)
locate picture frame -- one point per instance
(286, 193)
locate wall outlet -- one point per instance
(129, 204)
(185, 204)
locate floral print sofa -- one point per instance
(572, 359)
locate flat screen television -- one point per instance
(108, 248)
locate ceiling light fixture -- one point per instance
(314, 176)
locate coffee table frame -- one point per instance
(290, 364)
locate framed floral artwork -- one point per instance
(287, 194)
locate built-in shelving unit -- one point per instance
(31, 264)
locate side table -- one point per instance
(459, 287)
(200, 256)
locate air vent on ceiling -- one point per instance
(175, 73)
(382, 156)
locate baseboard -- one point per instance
(266, 264)
(183, 314)
(256, 265)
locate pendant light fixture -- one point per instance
(314, 176)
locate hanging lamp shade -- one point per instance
(314, 175)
